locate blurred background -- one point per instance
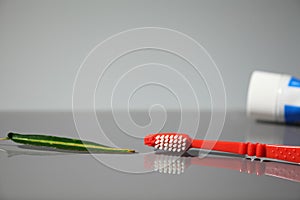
(43, 44)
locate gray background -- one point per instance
(43, 43)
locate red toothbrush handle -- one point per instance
(224, 146)
(286, 153)
(278, 152)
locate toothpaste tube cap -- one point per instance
(263, 92)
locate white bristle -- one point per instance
(169, 165)
(173, 143)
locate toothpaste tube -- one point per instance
(274, 97)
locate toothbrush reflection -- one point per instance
(174, 165)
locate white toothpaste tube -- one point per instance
(274, 97)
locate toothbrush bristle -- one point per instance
(171, 142)
(169, 164)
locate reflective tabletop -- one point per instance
(41, 173)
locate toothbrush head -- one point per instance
(171, 142)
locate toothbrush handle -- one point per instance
(278, 152)
(224, 146)
(281, 152)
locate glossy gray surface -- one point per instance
(43, 174)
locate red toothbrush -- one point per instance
(175, 142)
